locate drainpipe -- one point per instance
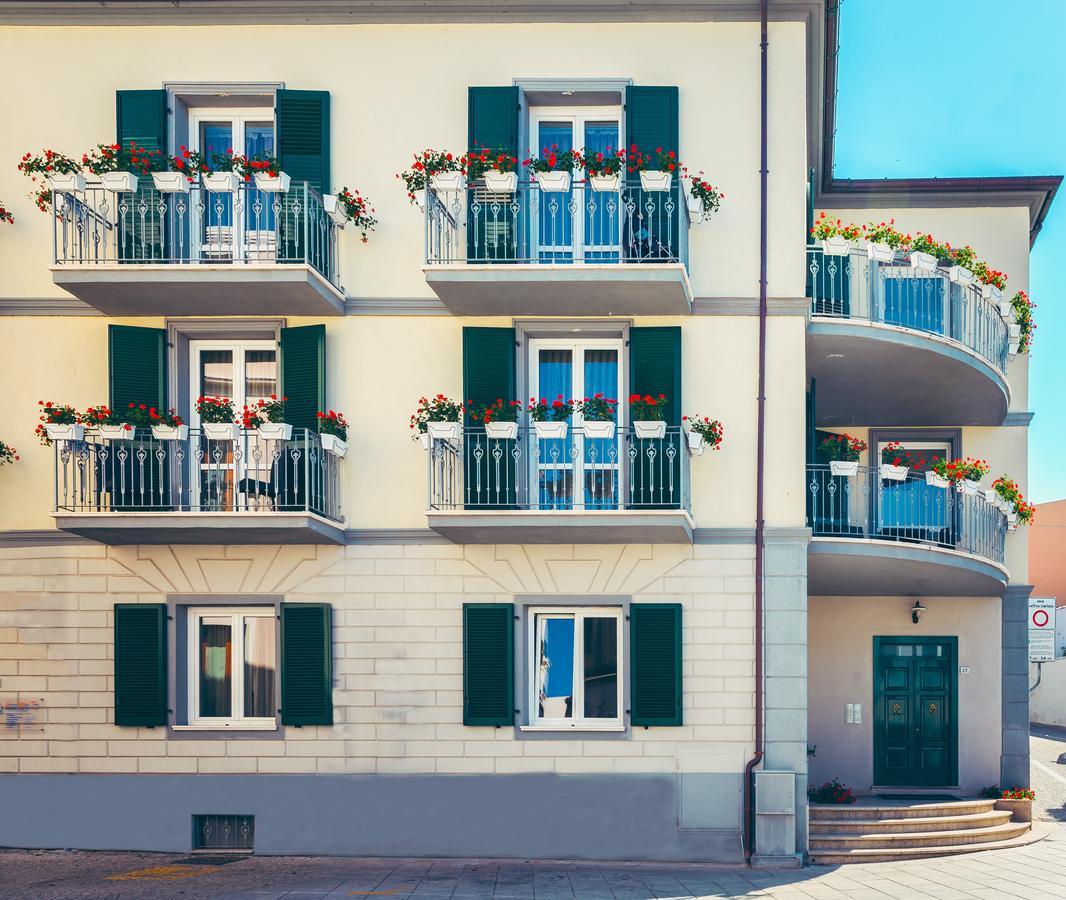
(749, 818)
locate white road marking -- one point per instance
(1048, 771)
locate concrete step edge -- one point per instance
(921, 839)
(963, 821)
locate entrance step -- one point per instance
(907, 825)
(872, 810)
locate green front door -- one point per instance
(915, 718)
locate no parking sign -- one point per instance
(1041, 629)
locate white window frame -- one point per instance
(237, 616)
(577, 723)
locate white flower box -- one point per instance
(221, 182)
(991, 496)
(649, 430)
(220, 431)
(115, 432)
(836, 246)
(695, 210)
(71, 183)
(119, 182)
(879, 252)
(57, 432)
(501, 182)
(1015, 331)
(550, 430)
(501, 431)
(991, 292)
(444, 431)
(848, 467)
(170, 432)
(968, 487)
(934, 480)
(656, 180)
(604, 430)
(335, 210)
(420, 198)
(696, 443)
(1012, 518)
(961, 275)
(606, 183)
(1006, 311)
(272, 184)
(923, 262)
(333, 444)
(447, 181)
(275, 431)
(553, 182)
(893, 473)
(172, 182)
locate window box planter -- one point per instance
(119, 182)
(170, 432)
(67, 183)
(695, 210)
(1020, 810)
(420, 198)
(447, 181)
(272, 184)
(880, 252)
(57, 432)
(991, 292)
(961, 275)
(602, 430)
(501, 182)
(970, 488)
(696, 443)
(171, 182)
(335, 210)
(501, 431)
(553, 182)
(220, 431)
(550, 430)
(893, 473)
(1006, 311)
(1015, 331)
(333, 444)
(606, 183)
(847, 467)
(276, 431)
(656, 180)
(836, 246)
(934, 480)
(649, 430)
(221, 182)
(1012, 521)
(991, 497)
(116, 432)
(443, 431)
(923, 262)
(1013, 347)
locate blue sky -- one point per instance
(991, 78)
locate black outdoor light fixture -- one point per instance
(916, 611)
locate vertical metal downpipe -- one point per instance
(749, 818)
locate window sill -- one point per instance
(227, 726)
(573, 729)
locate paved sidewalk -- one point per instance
(1032, 873)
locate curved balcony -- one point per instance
(889, 344)
(877, 537)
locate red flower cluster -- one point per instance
(558, 410)
(830, 792)
(6, 216)
(660, 161)
(497, 411)
(215, 409)
(843, 447)
(710, 430)
(359, 211)
(53, 414)
(117, 158)
(647, 408)
(8, 454)
(332, 422)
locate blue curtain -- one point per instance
(259, 211)
(602, 211)
(555, 237)
(556, 482)
(600, 454)
(215, 139)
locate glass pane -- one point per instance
(259, 215)
(603, 230)
(555, 379)
(601, 668)
(260, 375)
(259, 139)
(259, 667)
(216, 373)
(913, 508)
(555, 668)
(601, 454)
(216, 670)
(216, 139)
(555, 233)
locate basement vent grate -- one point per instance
(222, 832)
(206, 859)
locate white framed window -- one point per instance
(232, 666)
(575, 678)
(912, 504)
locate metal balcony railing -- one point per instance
(896, 293)
(148, 227)
(578, 473)
(197, 475)
(865, 505)
(533, 226)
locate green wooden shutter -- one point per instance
(655, 368)
(141, 116)
(488, 375)
(303, 136)
(652, 121)
(492, 121)
(655, 664)
(306, 664)
(303, 374)
(140, 664)
(137, 366)
(651, 118)
(488, 663)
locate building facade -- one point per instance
(581, 646)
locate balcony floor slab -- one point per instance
(202, 528)
(669, 526)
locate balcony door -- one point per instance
(580, 225)
(228, 472)
(576, 472)
(912, 509)
(237, 227)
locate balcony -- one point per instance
(250, 490)
(877, 537)
(888, 344)
(582, 252)
(199, 253)
(577, 489)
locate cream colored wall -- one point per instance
(398, 89)
(840, 653)
(1047, 703)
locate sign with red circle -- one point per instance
(1041, 629)
(1041, 618)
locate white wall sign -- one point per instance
(1041, 629)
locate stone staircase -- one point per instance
(911, 830)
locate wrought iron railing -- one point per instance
(533, 226)
(201, 227)
(576, 472)
(197, 474)
(895, 293)
(911, 511)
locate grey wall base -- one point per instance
(537, 815)
(1014, 762)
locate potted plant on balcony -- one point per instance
(1006, 493)
(971, 471)
(598, 416)
(8, 454)
(942, 473)
(703, 199)
(604, 170)
(217, 418)
(440, 418)
(268, 418)
(550, 419)
(59, 423)
(647, 415)
(883, 240)
(894, 462)
(836, 237)
(61, 173)
(110, 425)
(183, 171)
(5, 215)
(992, 281)
(350, 206)
(496, 169)
(843, 452)
(656, 169)
(118, 166)
(333, 432)
(166, 424)
(553, 170)
(1022, 309)
(961, 272)
(264, 170)
(223, 177)
(499, 417)
(425, 165)
(703, 432)
(925, 252)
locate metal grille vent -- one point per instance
(223, 832)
